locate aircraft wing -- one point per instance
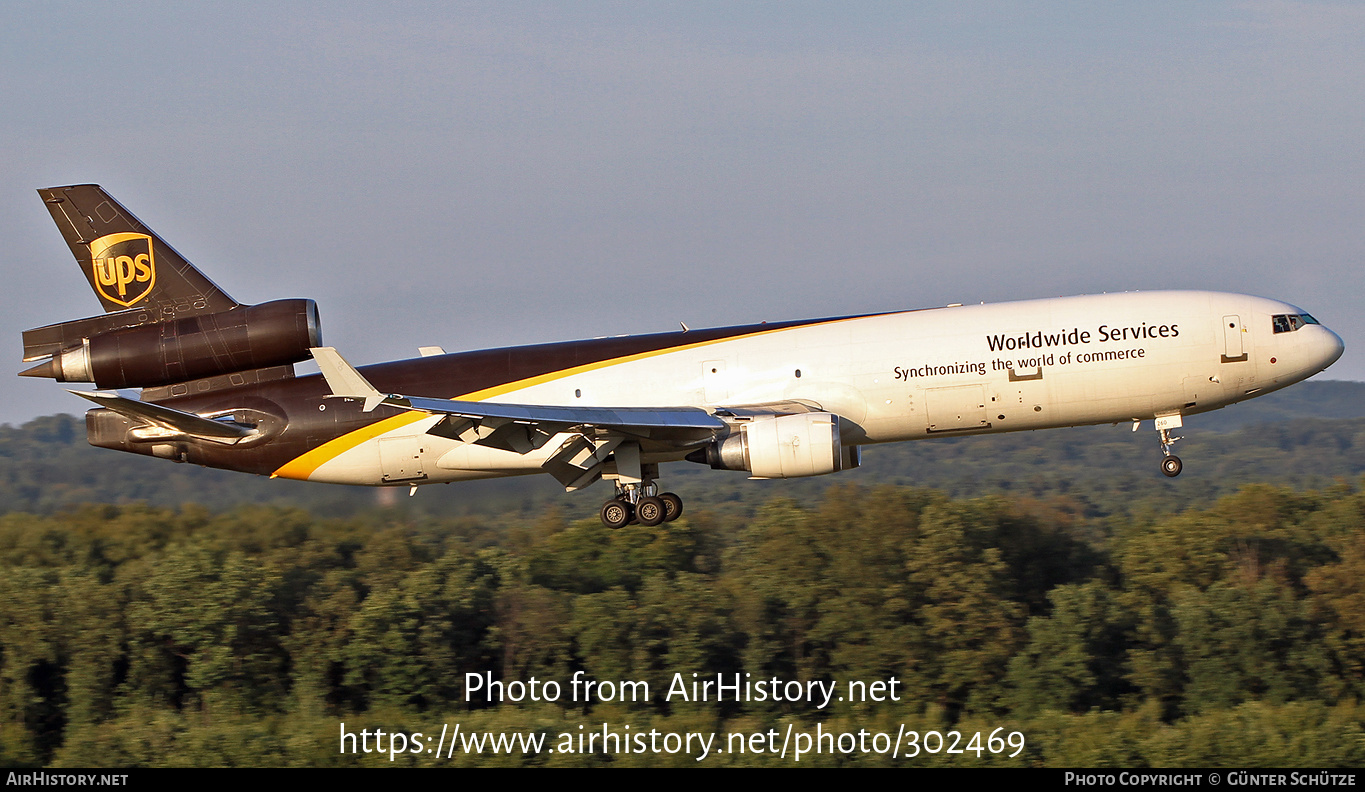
(624, 418)
(517, 427)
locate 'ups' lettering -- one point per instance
(125, 274)
(124, 267)
(104, 268)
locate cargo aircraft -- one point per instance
(776, 400)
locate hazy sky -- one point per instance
(475, 175)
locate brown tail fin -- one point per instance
(127, 264)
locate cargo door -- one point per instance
(957, 408)
(400, 458)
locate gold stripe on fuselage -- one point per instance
(303, 466)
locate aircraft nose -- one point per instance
(1329, 348)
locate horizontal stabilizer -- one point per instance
(166, 418)
(41, 342)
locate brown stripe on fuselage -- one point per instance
(463, 373)
(314, 419)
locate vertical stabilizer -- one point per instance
(127, 264)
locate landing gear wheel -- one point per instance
(1171, 466)
(651, 510)
(672, 505)
(616, 513)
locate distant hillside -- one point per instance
(1325, 399)
(1306, 436)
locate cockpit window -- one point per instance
(1288, 323)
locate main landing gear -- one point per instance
(638, 503)
(638, 499)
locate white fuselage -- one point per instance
(938, 372)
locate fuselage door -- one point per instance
(400, 458)
(1234, 350)
(956, 408)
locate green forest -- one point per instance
(1052, 584)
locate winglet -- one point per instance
(344, 380)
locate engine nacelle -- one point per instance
(250, 337)
(788, 446)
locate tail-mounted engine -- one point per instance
(786, 446)
(164, 352)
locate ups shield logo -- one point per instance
(123, 267)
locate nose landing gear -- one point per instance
(1171, 464)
